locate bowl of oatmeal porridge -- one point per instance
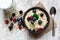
(36, 19)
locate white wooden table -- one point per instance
(23, 34)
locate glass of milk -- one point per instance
(8, 6)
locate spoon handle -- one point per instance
(53, 30)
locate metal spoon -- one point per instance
(53, 12)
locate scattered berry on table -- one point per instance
(10, 28)
(19, 23)
(11, 19)
(18, 19)
(14, 20)
(7, 21)
(11, 24)
(21, 12)
(13, 14)
(20, 27)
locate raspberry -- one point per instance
(19, 27)
(40, 29)
(7, 21)
(31, 17)
(14, 20)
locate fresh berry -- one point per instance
(14, 20)
(28, 19)
(19, 23)
(21, 12)
(40, 29)
(41, 15)
(34, 10)
(13, 14)
(40, 22)
(11, 19)
(32, 22)
(31, 17)
(7, 21)
(20, 27)
(34, 19)
(11, 24)
(18, 19)
(10, 28)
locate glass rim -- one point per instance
(9, 5)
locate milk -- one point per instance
(4, 4)
(8, 6)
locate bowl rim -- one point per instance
(48, 19)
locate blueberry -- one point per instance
(18, 19)
(21, 12)
(34, 10)
(41, 15)
(32, 22)
(13, 14)
(10, 28)
(34, 19)
(40, 22)
(28, 19)
(19, 23)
